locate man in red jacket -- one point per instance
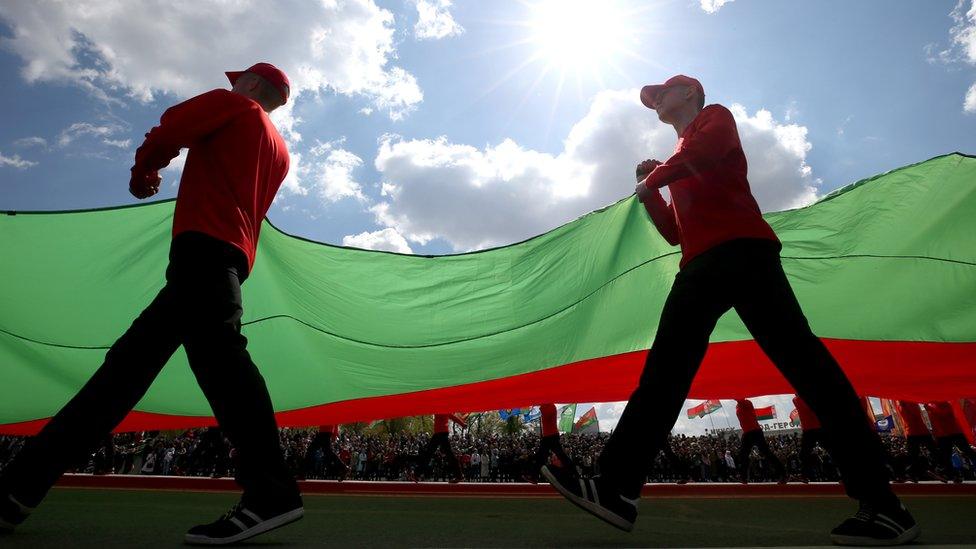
(917, 435)
(237, 161)
(549, 444)
(811, 435)
(948, 435)
(441, 440)
(325, 440)
(753, 437)
(729, 259)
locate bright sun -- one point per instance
(581, 35)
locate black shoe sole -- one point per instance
(598, 511)
(262, 527)
(906, 537)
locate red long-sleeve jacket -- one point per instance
(442, 422)
(333, 431)
(236, 164)
(711, 201)
(943, 419)
(746, 413)
(808, 420)
(549, 423)
(911, 417)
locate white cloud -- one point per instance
(329, 172)
(292, 183)
(387, 239)
(964, 37)
(142, 49)
(174, 169)
(476, 198)
(843, 125)
(31, 142)
(962, 47)
(16, 161)
(778, 173)
(712, 6)
(119, 143)
(435, 21)
(963, 33)
(79, 129)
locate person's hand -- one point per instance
(642, 191)
(646, 167)
(143, 185)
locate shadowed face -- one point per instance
(254, 87)
(672, 100)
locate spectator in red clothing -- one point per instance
(948, 434)
(752, 437)
(549, 444)
(917, 435)
(236, 163)
(442, 441)
(729, 260)
(323, 441)
(811, 435)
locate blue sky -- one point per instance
(429, 127)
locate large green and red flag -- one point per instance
(567, 417)
(885, 270)
(588, 422)
(704, 408)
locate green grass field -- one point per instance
(120, 518)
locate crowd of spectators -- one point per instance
(487, 458)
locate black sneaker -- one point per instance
(593, 496)
(870, 527)
(12, 513)
(241, 523)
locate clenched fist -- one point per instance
(143, 185)
(646, 167)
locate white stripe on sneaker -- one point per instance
(596, 494)
(23, 508)
(256, 518)
(890, 523)
(630, 501)
(238, 523)
(584, 503)
(263, 526)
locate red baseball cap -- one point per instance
(269, 72)
(649, 94)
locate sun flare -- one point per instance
(581, 35)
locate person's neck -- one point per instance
(683, 120)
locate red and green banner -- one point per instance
(767, 412)
(587, 423)
(885, 270)
(567, 418)
(704, 408)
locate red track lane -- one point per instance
(498, 490)
(888, 369)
